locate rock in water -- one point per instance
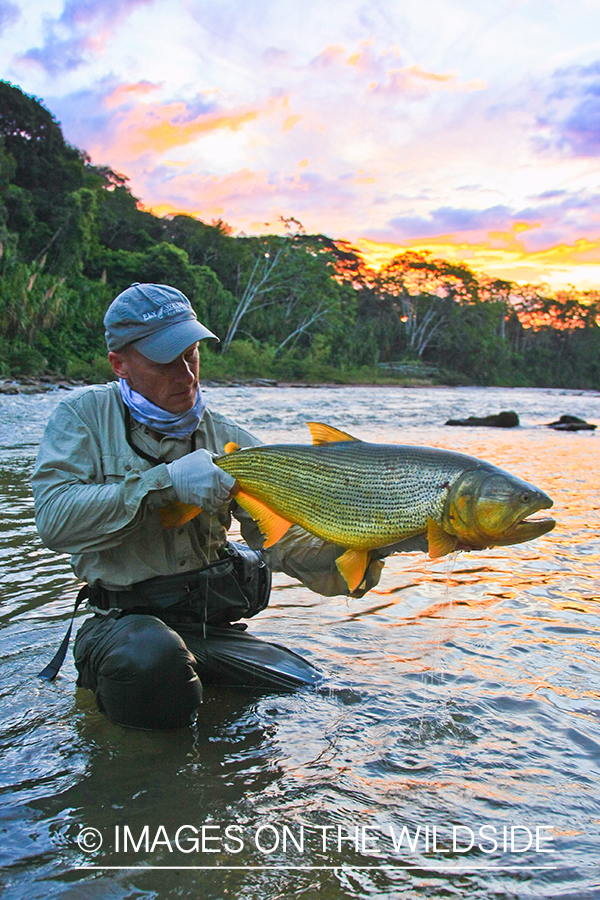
(504, 419)
(571, 423)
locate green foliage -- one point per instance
(30, 300)
(287, 292)
(96, 369)
(122, 225)
(288, 307)
(46, 168)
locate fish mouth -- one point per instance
(526, 528)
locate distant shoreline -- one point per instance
(50, 383)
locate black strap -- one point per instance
(151, 459)
(50, 671)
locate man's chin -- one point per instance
(179, 405)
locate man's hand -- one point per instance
(198, 481)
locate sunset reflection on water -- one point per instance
(461, 691)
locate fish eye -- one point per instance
(525, 497)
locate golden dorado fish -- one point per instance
(365, 496)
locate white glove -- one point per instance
(198, 481)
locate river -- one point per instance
(462, 700)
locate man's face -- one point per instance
(171, 386)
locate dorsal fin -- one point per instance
(231, 447)
(271, 524)
(327, 434)
(440, 542)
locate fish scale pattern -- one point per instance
(353, 493)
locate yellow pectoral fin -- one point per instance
(326, 434)
(353, 565)
(272, 525)
(177, 513)
(440, 542)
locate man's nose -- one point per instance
(185, 372)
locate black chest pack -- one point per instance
(235, 586)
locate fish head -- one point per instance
(489, 507)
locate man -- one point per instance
(164, 601)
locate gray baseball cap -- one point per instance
(157, 319)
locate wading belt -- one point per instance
(236, 586)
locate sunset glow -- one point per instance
(558, 266)
(447, 125)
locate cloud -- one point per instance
(557, 218)
(560, 266)
(9, 13)
(155, 128)
(245, 197)
(414, 81)
(162, 128)
(570, 120)
(450, 220)
(124, 121)
(380, 73)
(129, 93)
(81, 31)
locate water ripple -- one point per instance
(462, 692)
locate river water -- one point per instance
(462, 700)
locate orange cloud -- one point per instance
(387, 80)
(208, 197)
(126, 91)
(156, 128)
(160, 129)
(332, 53)
(576, 264)
(290, 122)
(415, 78)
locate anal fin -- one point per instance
(440, 542)
(272, 525)
(352, 566)
(177, 513)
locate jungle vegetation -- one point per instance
(292, 307)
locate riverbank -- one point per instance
(46, 383)
(31, 385)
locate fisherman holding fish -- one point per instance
(166, 601)
(138, 480)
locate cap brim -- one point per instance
(165, 345)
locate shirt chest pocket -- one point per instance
(117, 468)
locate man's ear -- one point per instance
(118, 364)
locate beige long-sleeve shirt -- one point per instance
(98, 500)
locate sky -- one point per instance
(465, 127)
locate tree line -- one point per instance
(290, 306)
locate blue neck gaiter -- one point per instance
(178, 425)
